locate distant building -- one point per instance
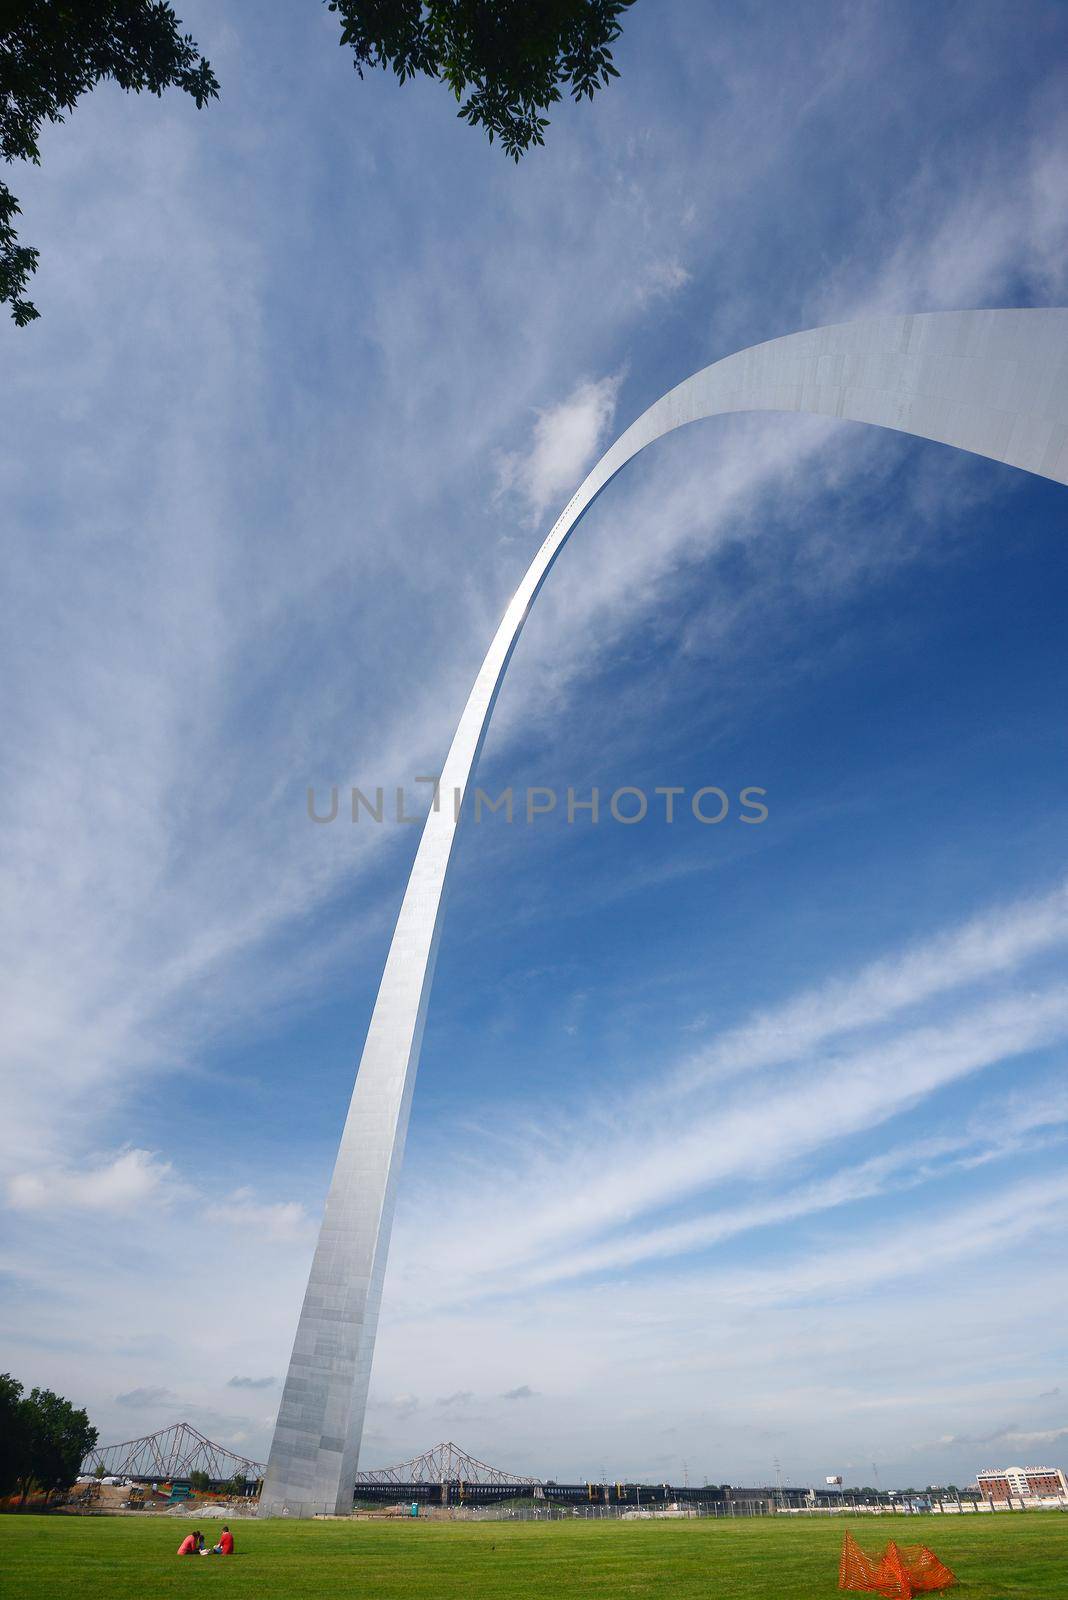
(1025, 1483)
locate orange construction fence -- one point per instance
(900, 1572)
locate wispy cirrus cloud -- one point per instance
(823, 1068)
(993, 944)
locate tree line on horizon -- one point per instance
(43, 1440)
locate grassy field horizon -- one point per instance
(111, 1558)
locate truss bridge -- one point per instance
(170, 1456)
(445, 1475)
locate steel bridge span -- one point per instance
(171, 1455)
(448, 1476)
(444, 1475)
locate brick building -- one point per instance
(1022, 1483)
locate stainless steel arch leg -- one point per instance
(992, 382)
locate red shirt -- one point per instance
(188, 1546)
(226, 1544)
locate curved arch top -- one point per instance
(991, 382)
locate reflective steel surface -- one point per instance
(991, 382)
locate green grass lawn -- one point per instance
(123, 1558)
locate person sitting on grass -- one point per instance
(225, 1546)
(192, 1544)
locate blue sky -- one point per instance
(729, 1144)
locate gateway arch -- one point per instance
(991, 382)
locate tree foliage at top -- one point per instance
(54, 51)
(506, 61)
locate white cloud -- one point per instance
(1004, 1219)
(995, 942)
(999, 223)
(1035, 1436)
(903, 1167)
(123, 1184)
(566, 437)
(284, 1219)
(663, 278)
